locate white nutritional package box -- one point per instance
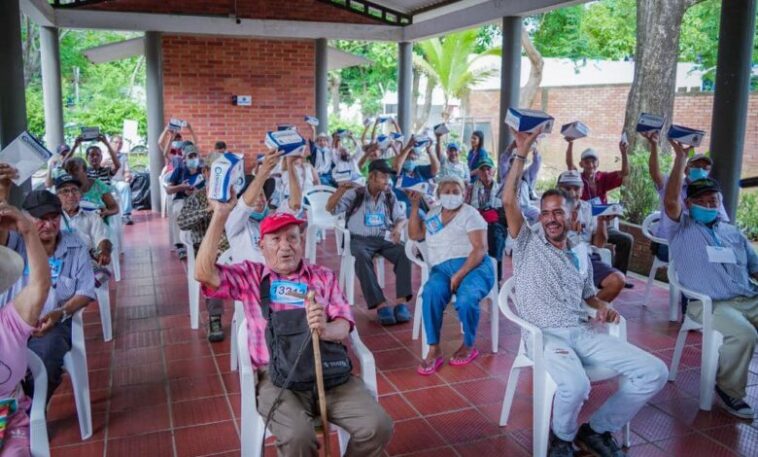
(287, 142)
(575, 130)
(227, 175)
(26, 154)
(528, 120)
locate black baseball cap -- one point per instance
(66, 178)
(41, 202)
(702, 186)
(380, 165)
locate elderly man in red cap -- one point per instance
(279, 320)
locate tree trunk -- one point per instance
(427, 109)
(530, 90)
(654, 85)
(334, 91)
(414, 98)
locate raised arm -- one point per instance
(164, 137)
(205, 264)
(335, 198)
(624, 149)
(364, 133)
(264, 171)
(534, 168)
(194, 137)
(114, 156)
(433, 160)
(653, 164)
(399, 160)
(438, 146)
(296, 192)
(672, 195)
(373, 129)
(111, 206)
(416, 229)
(31, 299)
(570, 154)
(513, 214)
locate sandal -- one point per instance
(461, 362)
(386, 316)
(428, 371)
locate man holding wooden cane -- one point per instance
(278, 320)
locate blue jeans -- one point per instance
(327, 179)
(51, 347)
(436, 295)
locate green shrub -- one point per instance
(747, 214)
(638, 194)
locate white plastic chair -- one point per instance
(104, 302)
(418, 326)
(712, 341)
(252, 422)
(347, 265)
(319, 219)
(116, 228)
(164, 195)
(226, 259)
(39, 442)
(543, 385)
(648, 227)
(185, 238)
(75, 363)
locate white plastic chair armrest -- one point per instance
(617, 330)
(409, 247)
(368, 365)
(534, 333)
(345, 234)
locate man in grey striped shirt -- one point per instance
(714, 258)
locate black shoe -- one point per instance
(560, 448)
(182, 253)
(215, 329)
(600, 444)
(735, 406)
(628, 285)
(128, 220)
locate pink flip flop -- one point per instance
(461, 362)
(438, 362)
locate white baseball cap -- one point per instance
(570, 178)
(589, 152)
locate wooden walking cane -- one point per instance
(320, 380)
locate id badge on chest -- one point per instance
(56, 266)
(596, 201)
(434, 224)
(373, 219)
(720, 254)
(288, 292)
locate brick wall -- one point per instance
(602, 108)
(296, 10)
(200, 76)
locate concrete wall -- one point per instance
(602, 108)
(202, 74)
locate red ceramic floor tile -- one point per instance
(66, 431)
(409, 435)
(189, 368)
(231, 382)
(482, 391)
(408, 379)
(206, 439)
(397, 407)
(740, 437)
(646, 450)
(694, 445)
(197, 387)
(204, 411)
(436, 400)
(396, 358)
(152, 444)
(654, 425)
(139, 374)
(136, 357)
(124, 398)
(446, 451)
(138, 421)
(138, 340)
(463, 426)
(188, 350)
(496, 446)
(383, 385)
(520, 417)
(88, 449)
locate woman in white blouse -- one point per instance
(456, 239)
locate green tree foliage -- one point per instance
(367, 84)
(107, 92)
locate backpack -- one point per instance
(285, 334)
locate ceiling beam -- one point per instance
(431, 24)
(222, 26)
(39, 11)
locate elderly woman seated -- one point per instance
(456, 237)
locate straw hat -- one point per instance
(11, 268)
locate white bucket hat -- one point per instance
(11, 268)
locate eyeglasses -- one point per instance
(70, 191)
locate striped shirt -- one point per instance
(483, 198)
(241, 281)
(104, 174)
(357, 222)
(688, 241)
(549, 288)
(195, 218)
(75, 276)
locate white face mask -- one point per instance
(451, 201)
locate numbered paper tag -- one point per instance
(56, 266)
(719, 254)
(434, 224)
(288, 292)
(374, 219)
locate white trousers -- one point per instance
(174, 210)
(568, 350)
(124, 195)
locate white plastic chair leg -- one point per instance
(104, 303)
(379, 268)
(310, 243)
(709, 369)
(194, 304)
(344, 438)
(510, 392)
(542, 407)
(424, 343)
(678, 348)
(417, 312)
(674, 299)
(236, 319)
(650, 279)
(75, 363)
(39, 443)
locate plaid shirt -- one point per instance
(196, 218)
(242, 281)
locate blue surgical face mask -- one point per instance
(409, 165)
(703, 215)
(177, 144)
(192, 163)
(258, 216)
(697, 173)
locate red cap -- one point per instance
(277, 221)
